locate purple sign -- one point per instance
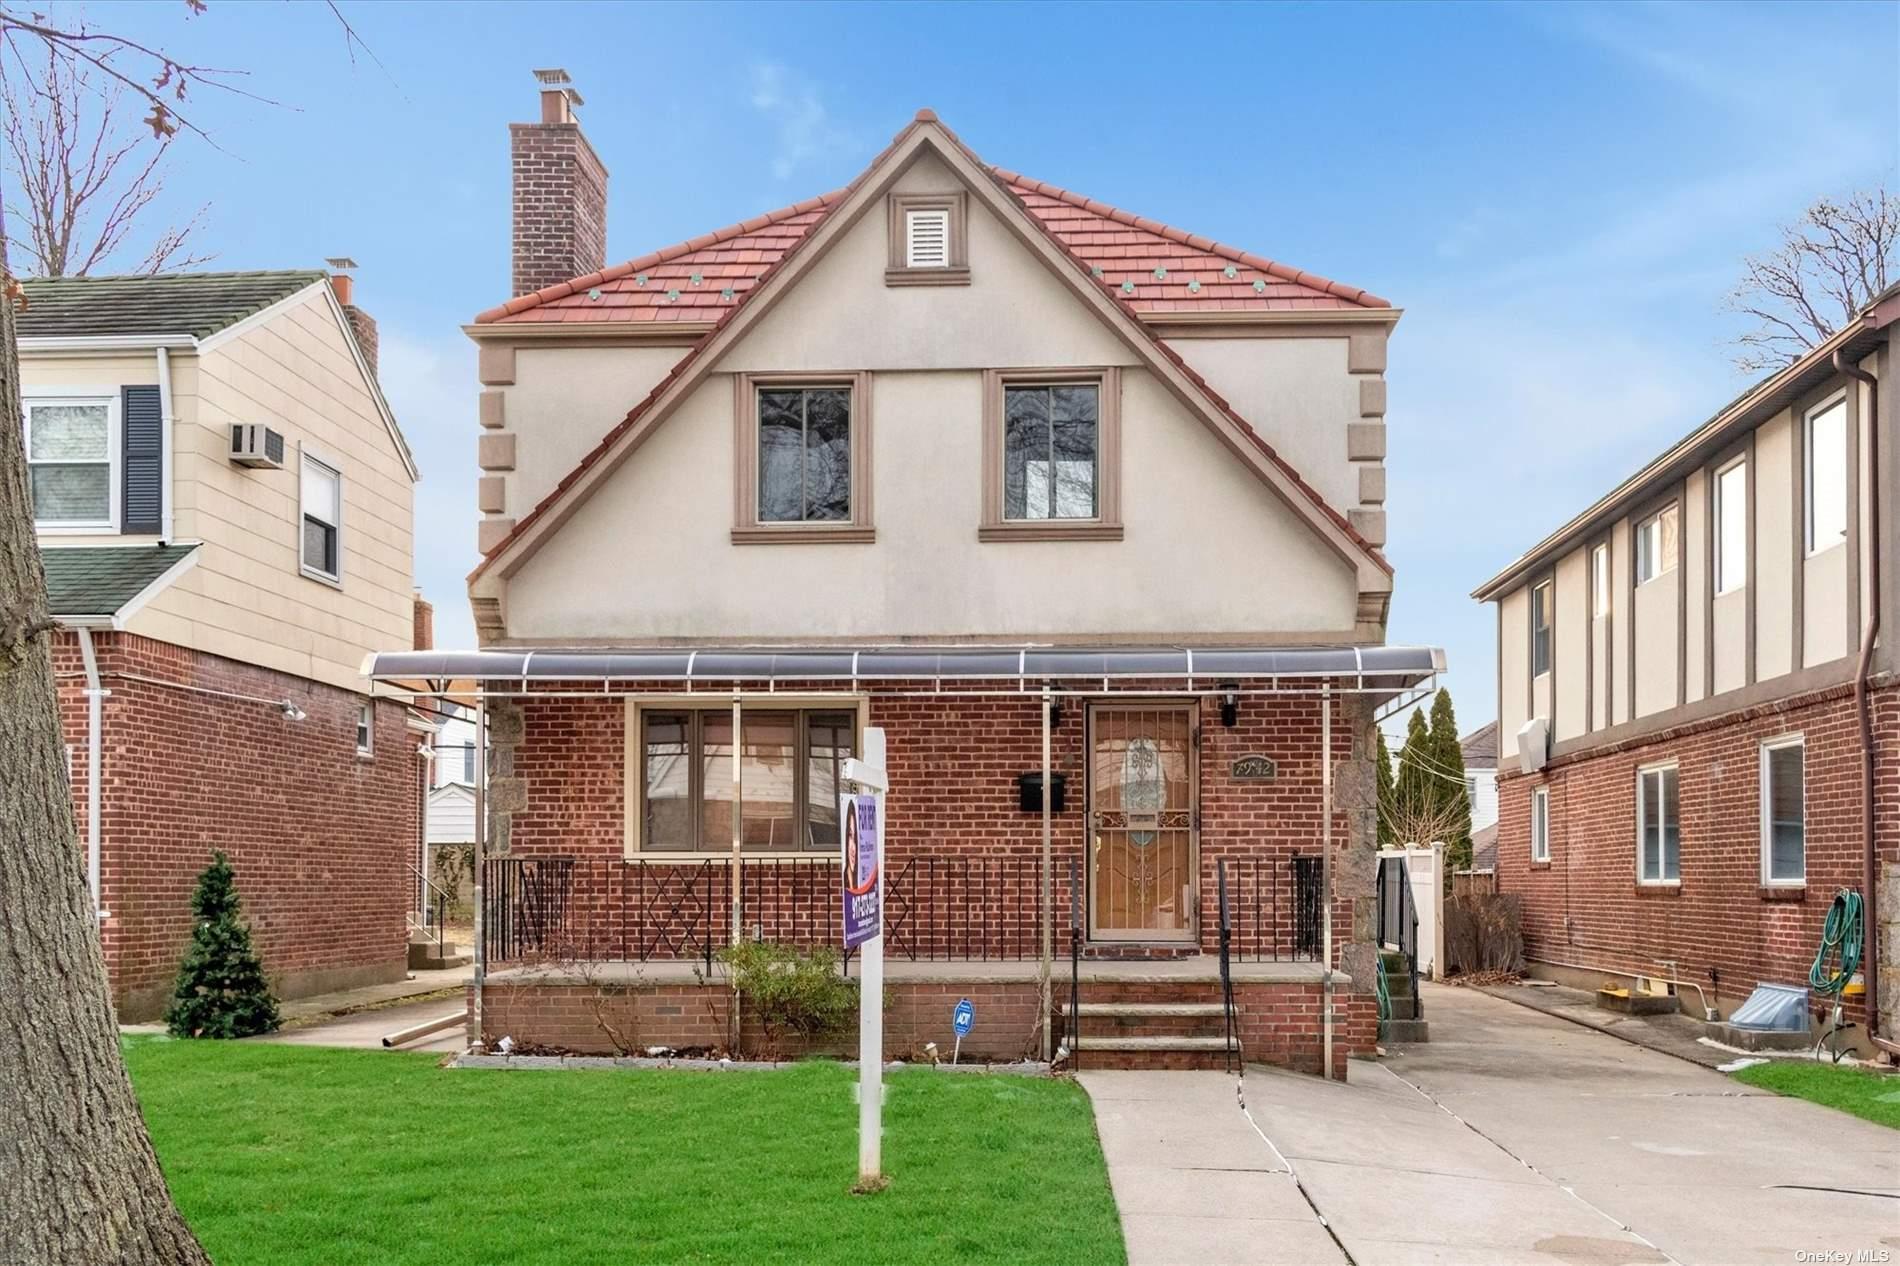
(863, 897)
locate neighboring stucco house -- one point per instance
(1480, 751)
(986, 464)
(222, 501)
(1697, 697)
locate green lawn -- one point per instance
(289, 1155)
(1874, 1096)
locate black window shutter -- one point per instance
(141, 452)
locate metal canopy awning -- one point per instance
(1378, 670)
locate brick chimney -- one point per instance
(361, 322)
(424, 630)
(560, 192)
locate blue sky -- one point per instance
(1559, 196)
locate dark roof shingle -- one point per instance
(86, 580)
(197, 304)
(1480, 747)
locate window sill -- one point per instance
(363, 754)
(805, 534)
(1659, 887)
(1784, 892)
(1536, 865)
(1050, 530)
(322, 578)
(958, 276)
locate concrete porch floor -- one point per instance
(1204, 968)
(1512, 1138)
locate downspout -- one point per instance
(165, 426)
(1047, 1000)
(1863, 708)
(475, 1040)
(95, 734)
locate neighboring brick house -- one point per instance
(222, 501)
(986, 464)
(1679, 676)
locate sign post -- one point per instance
(861, 819)
(962, 1019)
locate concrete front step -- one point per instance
(1147, 1009)
(1087, 1043)
(1397, 1030)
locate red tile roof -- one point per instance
(1154, 268)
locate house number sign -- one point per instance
(1253, 769)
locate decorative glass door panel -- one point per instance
(1143, 880)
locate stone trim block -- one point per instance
(1371, 485)
(1369, 524)
(492, 532)
(1365, 441)
(495, 364)
(491, 494)
(494, 407)
(1371, 398)
(497, 451)
(1365, 352)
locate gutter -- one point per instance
(95, 733)
(1870, 629)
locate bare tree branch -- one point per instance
(1830, 264)
(77, 166)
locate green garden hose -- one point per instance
(1385, 996)
(1840, 935)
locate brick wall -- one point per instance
(1586, 908)
(319, 836)
(953, 764)
(560, 205)
(1280, 1021)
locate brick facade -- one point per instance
(319, 835)
(560, 205)
(1720, 926)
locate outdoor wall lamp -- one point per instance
(292, 712)
(1229, 704)
(1055, 714)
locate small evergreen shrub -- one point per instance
(792, 990)
(221, 989)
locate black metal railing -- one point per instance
(1226, 972)
(1398, 918)
(936, 908)
(1273, 908)
(435, 906)
(1075, 970)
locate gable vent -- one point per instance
(927, 238)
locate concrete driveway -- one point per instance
(1511, 1137)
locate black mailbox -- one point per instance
(1029, 792)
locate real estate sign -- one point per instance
(863, 904)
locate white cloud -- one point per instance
(431, 388)
(805, 128)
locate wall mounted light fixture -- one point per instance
(1229, 704)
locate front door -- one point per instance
(1143, 877)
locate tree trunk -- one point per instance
(79, 1182)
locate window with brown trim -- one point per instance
(790, 763)
(1052, 455)
(929, 241)
(802, 450)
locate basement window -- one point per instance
(928, 240)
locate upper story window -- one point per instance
(322, 497)
(804, 455)
(1783, 811)
(1731, 528)
(71, 460)
(1658, 830)
(1656, 545)
(366, 729)
(1827, 476)
(1600, 581)
(1052, 455)
(928, 240)
(804, 458)
(786, 796)
(1540, 629)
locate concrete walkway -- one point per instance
(366, 1029)
(1512, 1137)
(300, 1011)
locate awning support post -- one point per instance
(1326, 876)
(1048, 882)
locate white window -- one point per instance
(1784, 845)
(1540, 629)
(1600, 581)
(322, 491)
(1540, 824)
(71, 459)
(366, 729)
(1731, 528)
(1656, 545)
(927, 238)
(1827, 476)
(1658, 832)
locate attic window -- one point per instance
(928, 244)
